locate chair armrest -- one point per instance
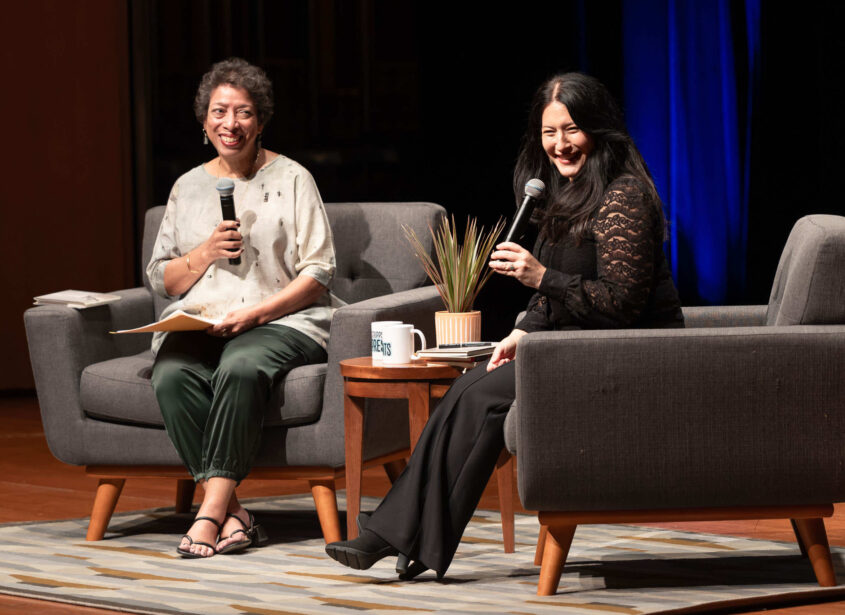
(724, 316)
(350, 337)
(135, 309)
(634, 419)
(350, 332)
(63, 342)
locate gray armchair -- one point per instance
(738, 416)
(99, 409)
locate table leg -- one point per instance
(419, 408)
(353, 415)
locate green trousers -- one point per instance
(213, 393)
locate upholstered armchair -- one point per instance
(738, 416)
(99, 409)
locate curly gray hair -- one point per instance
(240, 74)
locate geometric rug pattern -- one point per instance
(612, 569)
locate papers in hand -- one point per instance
(79, 299)
(177, 321)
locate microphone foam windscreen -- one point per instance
(226, 187)
(533, 188)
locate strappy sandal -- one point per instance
(254, 534)
(186, 552)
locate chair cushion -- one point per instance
(809, 287)
(119, 390)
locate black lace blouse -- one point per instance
(617, 277)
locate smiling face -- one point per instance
(231, 123)
(567, 146)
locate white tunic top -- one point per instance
(285, 234)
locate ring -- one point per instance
(510, 267)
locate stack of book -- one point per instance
(464, 356)
(79, 299)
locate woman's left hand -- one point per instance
(513, 260)
(235, 323)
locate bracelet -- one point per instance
(188, 258)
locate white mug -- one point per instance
(398, 343)
(376, 331)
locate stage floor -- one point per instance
(35, 486)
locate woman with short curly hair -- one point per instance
(262, 276)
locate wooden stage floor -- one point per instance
(35, 486)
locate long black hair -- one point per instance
(570, 204)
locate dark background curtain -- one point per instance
(411, 100)
(684, 110)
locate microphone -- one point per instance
(534, 189)
(226, 189)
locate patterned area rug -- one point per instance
(612, 569)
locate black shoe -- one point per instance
(414, 570)
(402, 560)
(253, 535)
(362, 552)
(402, 564)
(361, 521)
(186, 551)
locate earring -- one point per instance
(204, 137)
(259, 141)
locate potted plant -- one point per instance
(459, 273)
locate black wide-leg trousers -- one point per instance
(430, 504)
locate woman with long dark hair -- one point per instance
(598, 264)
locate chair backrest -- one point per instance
(809, 286)
(373, 256)
(152, 220)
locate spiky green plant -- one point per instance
(461, 270)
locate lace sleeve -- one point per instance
(626, 229)
(535, 318)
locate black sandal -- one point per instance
(254, 534)
(186, 553)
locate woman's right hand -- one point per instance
(225, 242)
(505, 350)
(183, 272)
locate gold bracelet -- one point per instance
(188, 258)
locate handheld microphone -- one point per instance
(226, 189)
(534, 189)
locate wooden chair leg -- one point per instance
(541, 545)
(185, 494)
(108, 492)
(798, 538)
(394, 468)
(504, 479)
(325, 499)
(814, 537)
(558, 541)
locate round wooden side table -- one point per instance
(418, 382)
